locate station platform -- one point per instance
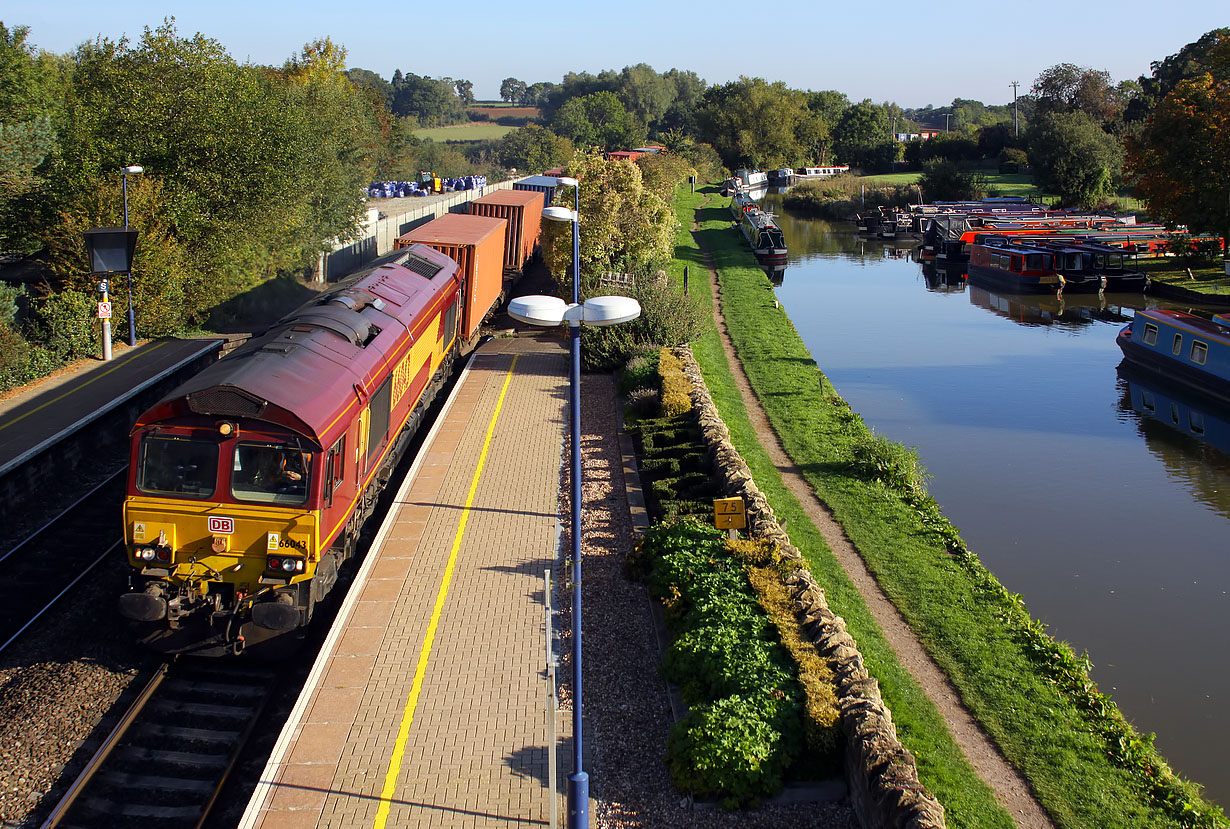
(45, 412)
(428, 704)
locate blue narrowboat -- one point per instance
(1181, 347)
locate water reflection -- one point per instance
(1062, 310)
(1188, 433)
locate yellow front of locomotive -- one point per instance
(223, 536)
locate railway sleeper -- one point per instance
(153, 783)
(162, 756)
(180, 732)
(201, 709)
(103, 806)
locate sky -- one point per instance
(913, 54)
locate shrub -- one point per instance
(876, 458)
(728, 749)
(719, 660)
(64, 324)
(944, 180)
(669, 317)
(676, 390)
(639, 372)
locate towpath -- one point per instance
(1011, 789)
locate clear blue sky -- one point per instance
(911, 53)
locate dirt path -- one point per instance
(1010, 788)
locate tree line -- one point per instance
(252, 170)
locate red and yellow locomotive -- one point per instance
(249, 483)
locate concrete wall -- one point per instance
(382, 229)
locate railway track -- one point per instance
(55, 557)
(168, 757)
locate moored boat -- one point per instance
(1181, 347)
(762, 233)
(1020, 268)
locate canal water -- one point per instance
(1103, 501)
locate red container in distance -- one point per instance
(522, 209)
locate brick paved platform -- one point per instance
(428, 704)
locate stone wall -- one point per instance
(880, 771)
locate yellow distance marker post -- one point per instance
(729, 514)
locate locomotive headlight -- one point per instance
(145, 553)
(285, 564)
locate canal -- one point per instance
(1104, 502)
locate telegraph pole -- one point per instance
(1016, 126)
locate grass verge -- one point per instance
(1032, 695)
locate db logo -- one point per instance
(221, 526)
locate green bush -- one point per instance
(63, 323)
(876, 458)
(669, 317)
(721, 659)
(727, 749)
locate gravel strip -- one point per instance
(627, 710)
(56, 686)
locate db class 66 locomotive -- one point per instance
(248, 484)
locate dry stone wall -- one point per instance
(880, 771)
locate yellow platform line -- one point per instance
(403, 733)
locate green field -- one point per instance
(465, 132)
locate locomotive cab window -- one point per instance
(273, 473)
(335, 467)
(177, 466)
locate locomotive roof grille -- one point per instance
(226, 402)
(421, 266)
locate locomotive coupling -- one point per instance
(149, 606)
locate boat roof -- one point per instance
(1217, 328)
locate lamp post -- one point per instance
(551, 311)
(130, 170)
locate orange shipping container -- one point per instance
(476, 244)
(523, 211)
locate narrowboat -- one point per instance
(1181, 347)
(761, 232)
(817, 173)
(1104, 263)
(1020, 269)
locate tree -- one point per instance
(1066, 87)
(598, 120)
(539, 94)
(247, 169)
(378, 88)
(533, 148)
(465, 91)
(628, 227)
(859, 133)
(512, 90)
(1073, 156)
(432, 102)
(29, 95)
(646, 94)
(751, 122)
(1211, 54)
(1181, 159)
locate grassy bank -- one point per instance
(1032, 695)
